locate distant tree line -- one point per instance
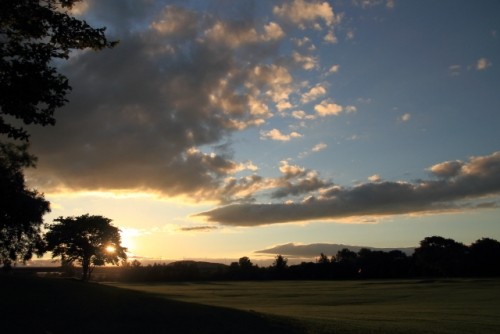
(435, 257)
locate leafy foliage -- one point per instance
(21, 209)
(438, 256)
(89, 240)
(485, 257)
(34, 33)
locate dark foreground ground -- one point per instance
(57, 306)
(53, 306)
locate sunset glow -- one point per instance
(110, 249)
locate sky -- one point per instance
(219, 129)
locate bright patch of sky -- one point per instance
(228, 127)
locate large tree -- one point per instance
(34, 33)
(485, 257)
(438, 256)
(89, 240)
(21, 209)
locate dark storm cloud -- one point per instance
(479, 177)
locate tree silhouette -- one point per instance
(485, 257)
(21, 209)
(245, 263)
(33, 34)
(279, 267)
(89, 240)
(323, 259)
(345, 265)
(324, 267)
(438, 256)
(280, 263)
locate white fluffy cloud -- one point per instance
(235, 35)
(319, 147)
(306, 12)
(307, 62)
(276, 134)
(327, 108)
(314, 93)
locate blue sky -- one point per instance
(219, 128)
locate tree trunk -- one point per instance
(85, 268)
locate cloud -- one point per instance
(313, 94)
(330, 37)
(316, 148)
(405, 117)
(176, 21)
(374, 178)
(276, 134)
(455, 189)
(351, 109)
(296, 181)
(307, 62)
(236, 34)
(291, 171)
(334, 69)
(482, 64)
(371, 3)
(305, 13)
(304, 185)
(325, 108)
(283, 105)
(319, 147)
(304, 42)
(300, 114)
(314, 250)
(180, 79)
(447, 169)
(79, 8)
(203, 228)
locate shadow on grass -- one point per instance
(52, 306)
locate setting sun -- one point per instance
(110, 249)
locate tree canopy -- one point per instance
(21, 209)
(438, 256)
(89, 240)
(34, 33)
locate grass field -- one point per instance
(53, 306)
(425, 306)
(62, 306)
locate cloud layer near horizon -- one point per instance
(456, 186)
(314, 250)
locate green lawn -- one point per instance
(425, 306)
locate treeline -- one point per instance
(435, 257)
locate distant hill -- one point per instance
(312, 250)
